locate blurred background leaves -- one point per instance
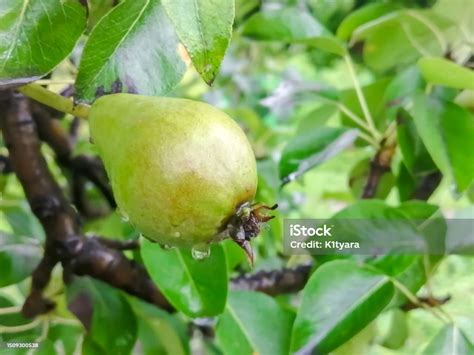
(289, 77)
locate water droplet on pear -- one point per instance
(167, 246)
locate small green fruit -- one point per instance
(180, 169)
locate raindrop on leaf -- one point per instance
(201, 251)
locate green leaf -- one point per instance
(21, 220)
(234, 254)
(419, 186)
(97, 10)
(35, 36)
(459, 238)
(316, 118)
(90, 347)
(400, 38)
(331, 12)
(392, 264)
(458, 12)
(406, 182)
(447, 131)
(244, 8)
(160, 332)
(158, 337)
(415, 156)
(14, 319)
(360, 343)
(375, 96)
(449, 340)
(325, 43)
(466, 99)
(396, 331)
(286, 25)
(254, 323)
(375, 224)
(195, 287)
(293, 26)
(65, 336)
(205, 28)
(134, 48)
(309, 149)
(46, 348)
(419, 210)
(407, 82)
(429, 222)
(441, 71)
(113, 325)
(339, 300)
(18, 258)
(363, 15)
(112, 226)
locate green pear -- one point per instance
(180, 169)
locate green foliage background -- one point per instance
(289, 73)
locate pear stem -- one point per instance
(56, 101)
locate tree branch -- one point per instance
(378, 167)
(81, 166)
(274, 282)
(429, 301)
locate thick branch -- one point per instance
(110, 265)
(274, 282)
(81, 166)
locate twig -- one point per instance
(20, 328)
(414, 300)
(361, 97)
(54, 82)
(354, 118)
(44, 331)
(429, 301)
(56, 101)
(66, 321)
(10, 310)
(378, 167)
